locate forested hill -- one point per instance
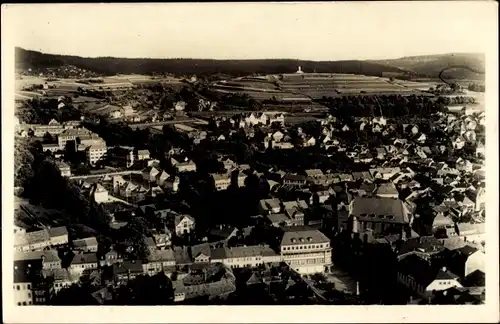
(462, 65)
(109, 65)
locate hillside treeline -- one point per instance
(110, 66)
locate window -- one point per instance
(29, 295)
(18, 287)
(30, 303)
(24, 303)
(29, 286)
(19, 304)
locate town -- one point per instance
(291, 188)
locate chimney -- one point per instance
(444, 269)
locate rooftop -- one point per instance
(378, 209)
(296, 236)
(83, 258)
(242, 251)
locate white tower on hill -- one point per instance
(299, 71)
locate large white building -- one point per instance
(96, 152)
(306, 250)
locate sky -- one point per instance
(314, 31)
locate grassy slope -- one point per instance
(431, 65)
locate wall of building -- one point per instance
(23, 295)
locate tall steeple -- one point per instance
(299, 70)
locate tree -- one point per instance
(47, 138)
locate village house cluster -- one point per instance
(415, 188)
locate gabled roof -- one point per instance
(296, 236)
(474, 279)
(58, 231)
(84, 258)
(179, 218)
(387, 188)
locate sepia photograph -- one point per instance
(250, 154)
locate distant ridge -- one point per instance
(425, 66)
(109, 65)
(431, 65)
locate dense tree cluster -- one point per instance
(44, 185)
(477, 87)
(386, 105)
(43, 110)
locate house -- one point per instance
(127, 270)
(459, 143)
(150, 174)
(422, 138)
(309, 141)
(322, 196)
(64, 169)
(422, 278)
(480, 150)
(221, 181)
(442, 218)
(187, 166)
(49, 259)
(467, 259)
(377, 128)
(295, 211)
(294, 180)
(381, 152)
(88, 244)
(245, 256)
(172, 183)
(365, 157)
(100, 194)
(24, 277)
(179, 106)
(364, 176)
(163, 240)
(480, 199)
(58, 235)
(51, 148)
(183, 224)
(96, 152)
(269, 206)
(306, 250)
(381, 215)
(62, 278)
(222, 233)
(279, 220)
(143, 155)
(82, 262)
(314, 175)
(159, 261)
(277, 136)
(252, 120)
(379, 121)
(464, 165)
(383, 173)
(110, 258)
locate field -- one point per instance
(316, 86)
